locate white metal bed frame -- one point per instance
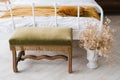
(92, 57)
(55, 14)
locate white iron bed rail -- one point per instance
(55, 7)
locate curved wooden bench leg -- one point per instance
(14, 61)
(70, 60)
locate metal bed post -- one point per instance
(78, 15)
(11, 14)
(7, 3)
(101, 14)
(55, 7)
(33, 14)
(101, 17)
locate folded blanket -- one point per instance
(49, 11)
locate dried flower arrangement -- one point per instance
(93, 39)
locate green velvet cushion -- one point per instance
(41, 36)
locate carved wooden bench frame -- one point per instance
(22, 56)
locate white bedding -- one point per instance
(6, 24)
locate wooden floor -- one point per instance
(57, 69)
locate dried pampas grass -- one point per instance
(93, 39)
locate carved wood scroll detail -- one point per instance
(44, 57)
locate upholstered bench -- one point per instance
(41, 38)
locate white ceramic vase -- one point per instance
(92, 56)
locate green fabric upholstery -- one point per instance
(41, 36)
